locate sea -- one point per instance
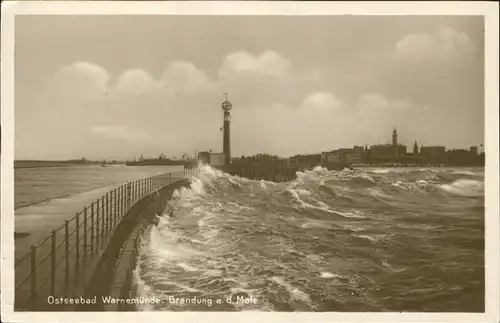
(44, 197)
(369, 239)
(42, 184)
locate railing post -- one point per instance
(111, 211)
(123, 205)
(92, 224)
(97, 231)
(85, 229)
(119, 203)
(53, 265)
(122, 198)
(129, 193)
(66, 256)
(110, 215)
(103, 224)
(170, 178)
(33, 278)
(77, 232)
(107, 213)
(115, 204)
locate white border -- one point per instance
(488, 9)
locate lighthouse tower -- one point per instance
(226, 146)
(394, 137)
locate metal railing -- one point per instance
(61, 260)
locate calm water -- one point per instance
(363, 240)
(35, 185)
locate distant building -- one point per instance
(433, 154)
(353, 157)
(415, 148)
(306, 161)
(474, 150)
(388, 152)
(383, 152)
(343, 155)
(217, 159)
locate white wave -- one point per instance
(232, 181)
(380, 171)
(355, 214)
(208, 171)
(464, 187)
(354, 228)
(164, 247)
(398, 184)
(303, 204)
(367, 237)
(303, 192)
(463, 172)
(328, 275)
(294, 293)
(378, 193)
(417, 226)
(365, 176)
(319, 169)
(187, 267)
(432, 170)
(375, 238)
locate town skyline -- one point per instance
(409, 149)
(118, 87)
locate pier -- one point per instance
(272, 173)
(81, 254)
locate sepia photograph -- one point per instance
(183, 161)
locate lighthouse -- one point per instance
(226, 146)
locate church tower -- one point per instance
(415, 148)
(394, 137)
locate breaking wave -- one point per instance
(353, 240)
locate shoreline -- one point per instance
(21, 165)
(419, 166)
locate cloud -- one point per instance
(251, 79)
(323, 101)
(376, 102)
(82, 80)
(87, 81)
(264, 78)
(446, 44)
(126, 133)
(268, 63)
(185, 78)
(136, 82)
(276, 108)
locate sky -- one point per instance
(115, 87)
